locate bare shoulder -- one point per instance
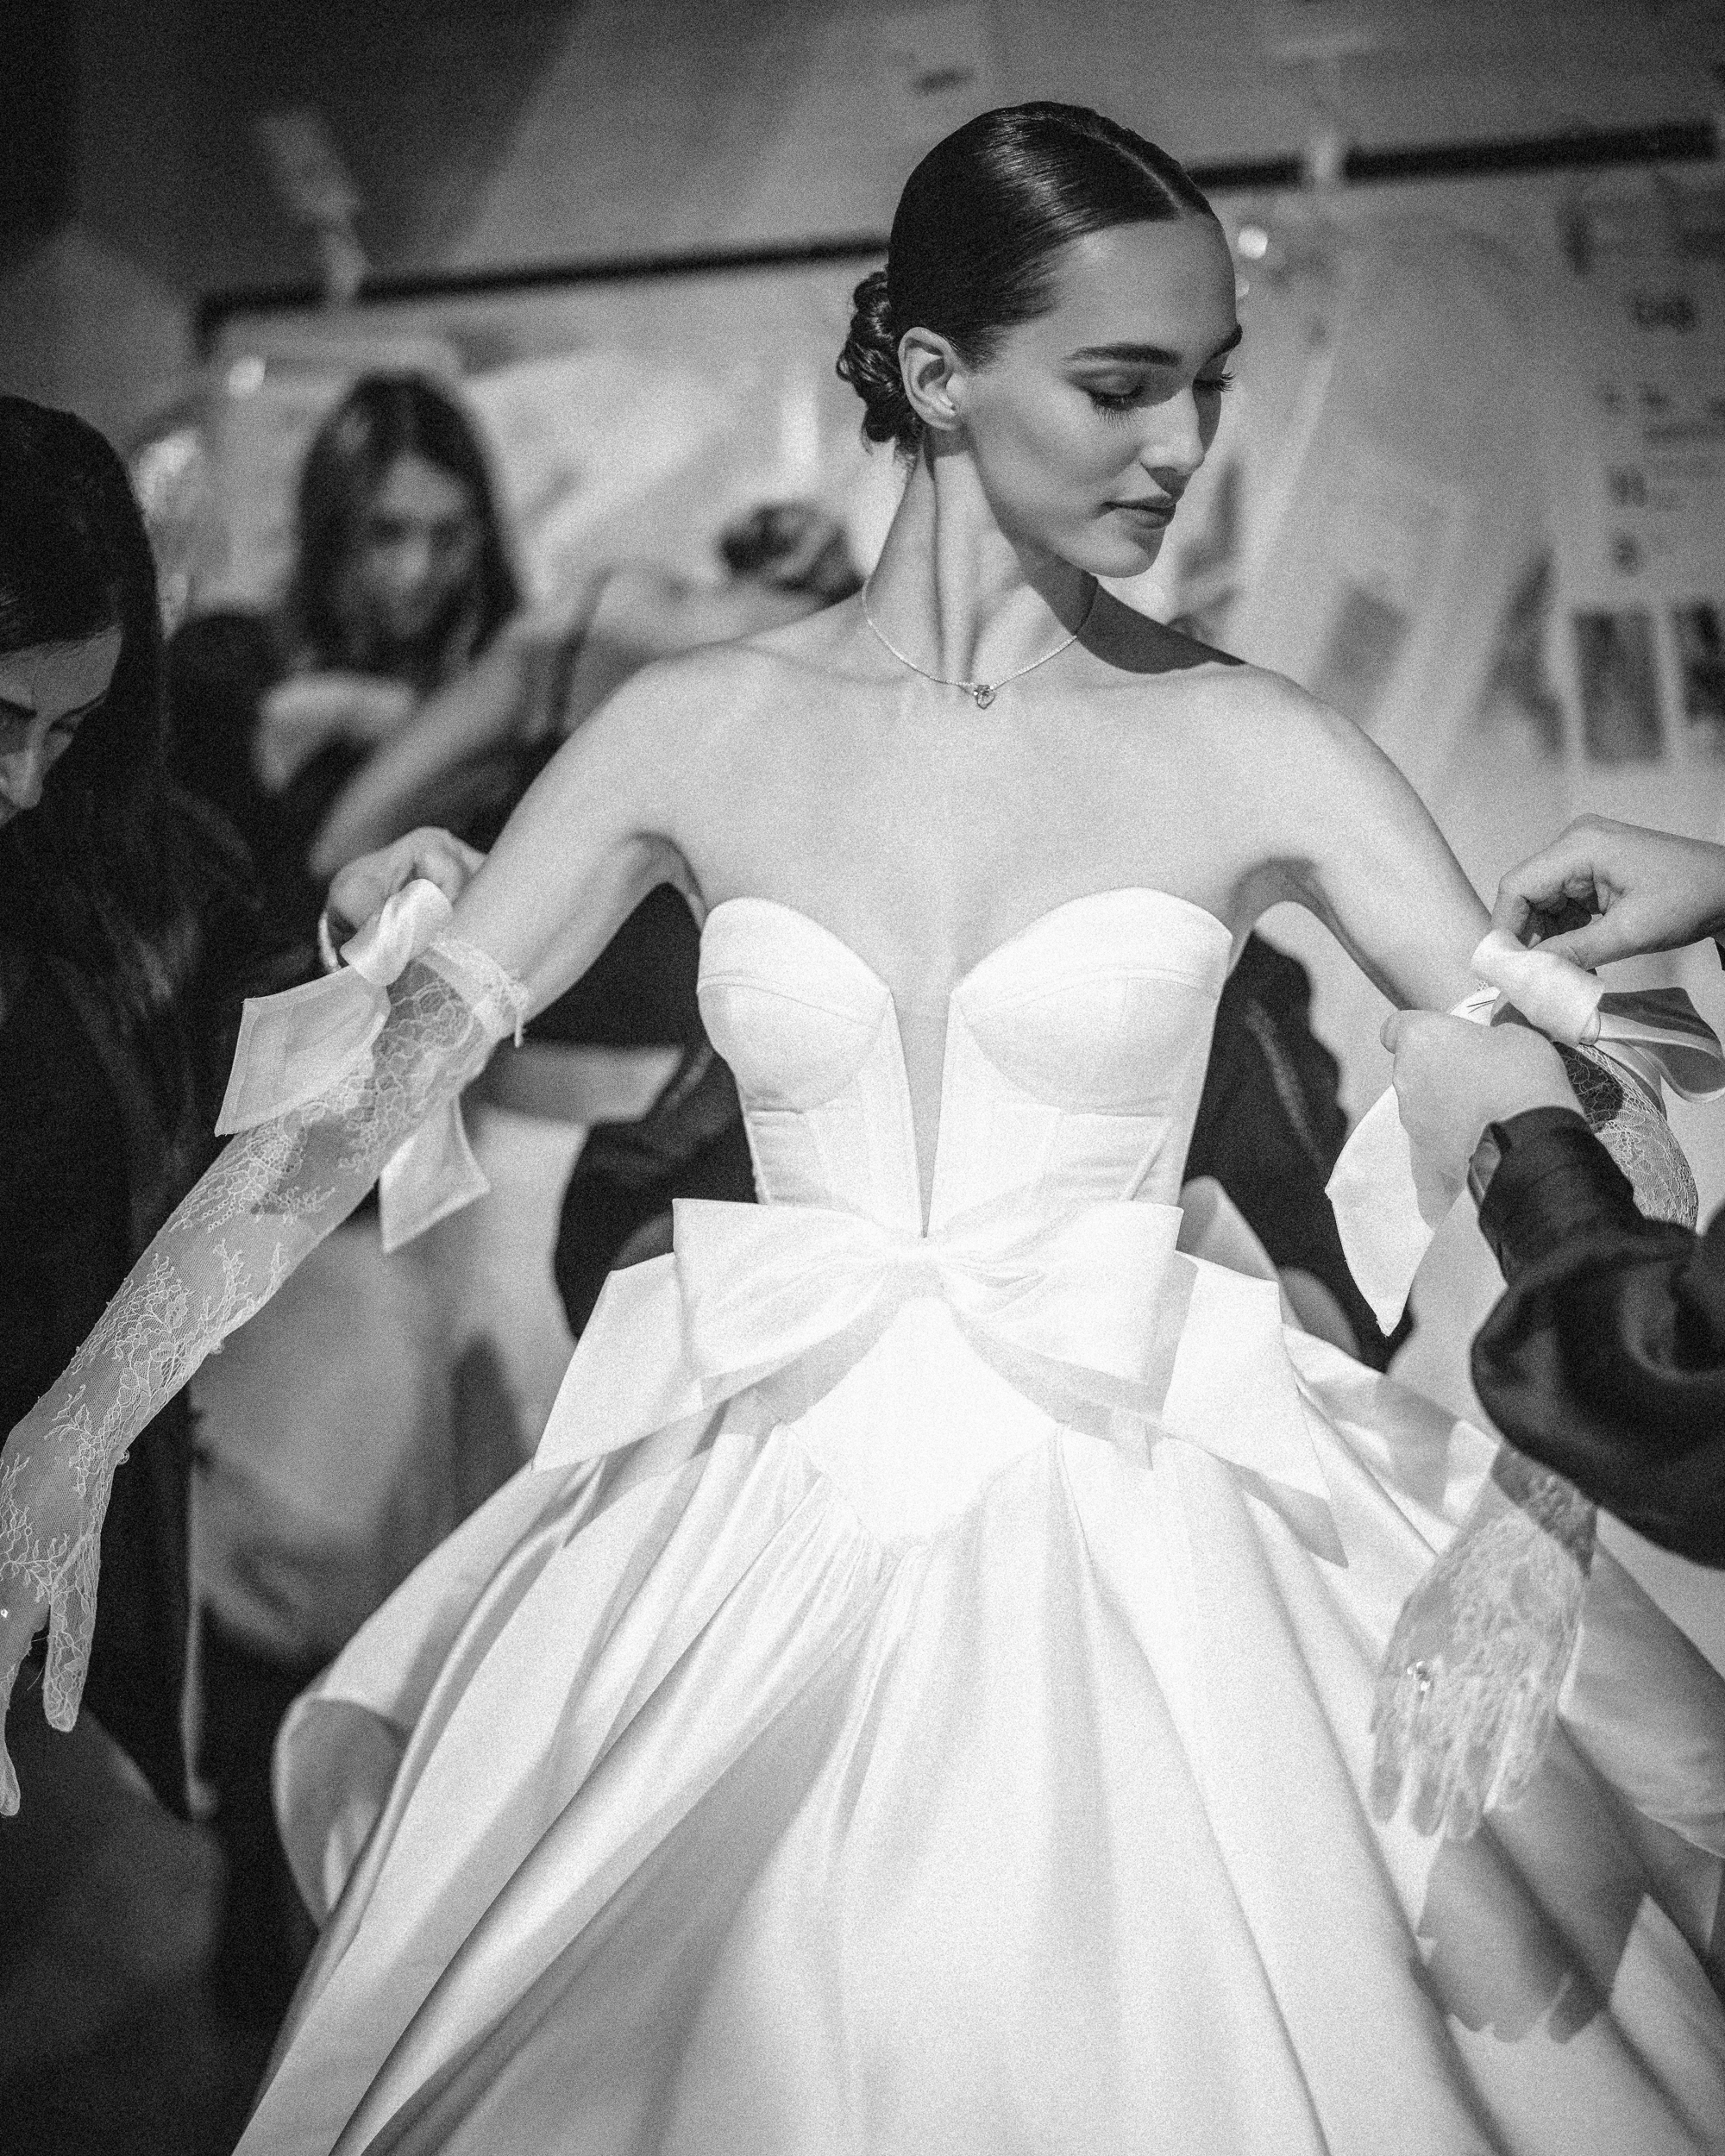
(671, 724)
(814, 636)
(1274, 738)
(1294, 737)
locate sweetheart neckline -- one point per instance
(1018, 935)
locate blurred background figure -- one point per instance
(126, 934)
(401, 587)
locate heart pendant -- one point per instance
(983, 695)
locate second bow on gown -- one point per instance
(918, 1699)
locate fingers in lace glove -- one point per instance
(50, 1553)
(1467, 1697)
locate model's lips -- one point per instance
(1154, 509)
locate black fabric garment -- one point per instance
(1270, 1126)
(1269, 1129)
(1605, 1358)
(219, 668)
(640, 992)
(265, 1934)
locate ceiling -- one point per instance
(480, 134)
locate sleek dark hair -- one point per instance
(113, 870)
(384, 418)
(976, 232)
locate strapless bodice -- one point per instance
(1074, 1059)
(1056, 1283)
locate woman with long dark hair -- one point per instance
(122, 902)
(920, 1696)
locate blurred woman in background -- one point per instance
(401, 587)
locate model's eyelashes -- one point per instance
(1119, 402)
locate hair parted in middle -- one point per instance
(383, 417)
(976, 232)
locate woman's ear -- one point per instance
(932, 373)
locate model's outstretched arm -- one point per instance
(1467, 1696)
(586, 848)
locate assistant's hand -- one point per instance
(362, 887)
(1452, 1077)
(1605, 890)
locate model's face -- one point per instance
(45, 694)
(417, 546)
(1087, 422)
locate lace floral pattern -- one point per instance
(275, 1192)
(1468, 1695)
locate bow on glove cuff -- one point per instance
(302, 1045)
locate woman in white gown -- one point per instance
(920, 1696)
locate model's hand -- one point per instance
(52, 1503)
(1467, 1696)
(1452, 1078)
(1606, 890)
(362, 887)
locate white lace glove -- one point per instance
(1467, 1697)
(275, 1192)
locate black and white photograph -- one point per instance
(861, 974)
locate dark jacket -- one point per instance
(1605, 1359)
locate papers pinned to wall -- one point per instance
(1640, 508)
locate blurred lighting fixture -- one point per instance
(246, 377)
(1252, 242)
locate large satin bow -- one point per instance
(296, 1047)
(1095, 1314)
(762, 1285)
(1390, 1201)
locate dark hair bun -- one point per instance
(978, 233)
(869, 362)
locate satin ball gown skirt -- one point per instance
(917, 1698)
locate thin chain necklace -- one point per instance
(983, 692)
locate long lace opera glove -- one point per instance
(272, 1194)
(1467, 1697)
